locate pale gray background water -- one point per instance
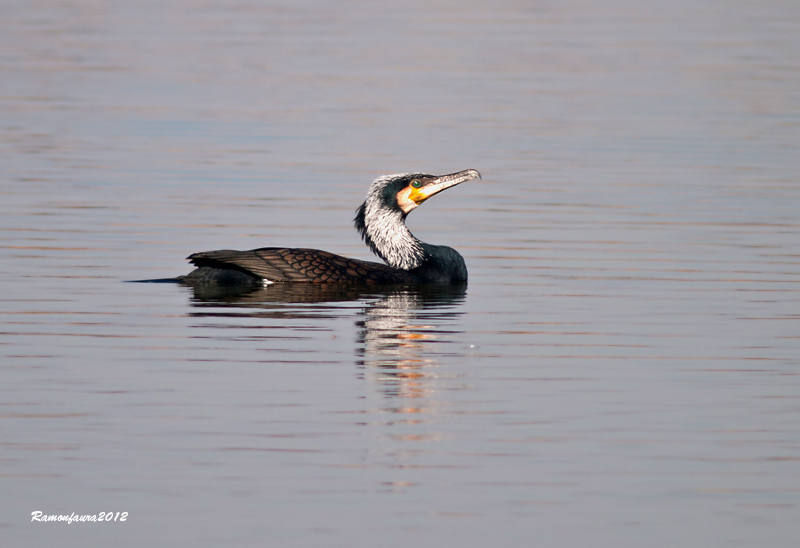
(622, 370)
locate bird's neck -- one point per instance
(385, 232)
(442, 265)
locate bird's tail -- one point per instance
(177, 280)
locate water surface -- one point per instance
(622, 369)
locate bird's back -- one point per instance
(280, 264)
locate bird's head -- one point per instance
(405, 191)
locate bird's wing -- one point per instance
(278, 264)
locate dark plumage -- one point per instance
(381, 222)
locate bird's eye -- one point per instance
(416, 183)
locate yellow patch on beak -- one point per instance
(411, 197)
(405, 201)
(419, 195)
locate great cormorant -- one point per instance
(381, 222)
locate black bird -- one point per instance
(381, 222)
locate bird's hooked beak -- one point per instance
(429, 187)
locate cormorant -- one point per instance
(381, 222)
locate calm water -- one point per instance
(623, 369)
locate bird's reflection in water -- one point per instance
(396, 326)
(395, 339)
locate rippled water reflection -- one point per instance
(622, 369)
(400, 332)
